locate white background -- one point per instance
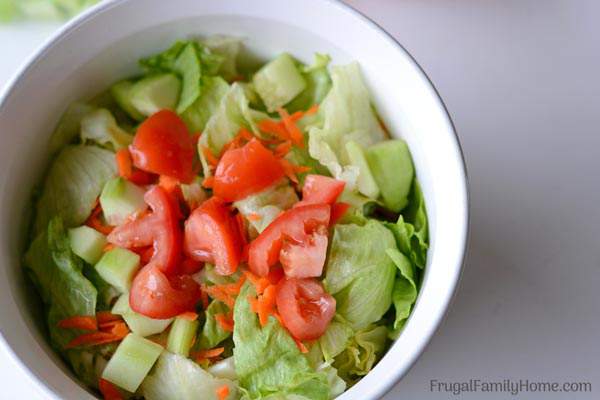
(521, 81)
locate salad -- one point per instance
(211, 229)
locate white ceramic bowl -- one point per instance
(104, 45)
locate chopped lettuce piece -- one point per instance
(265, 206)
(74, 182)
(212, 333)
(392, 168)
(228, 48)
(88, 363)
(214, 88)
(57, 273)
(232, 114)
(99, 126)
(178, 378)
(347, 115)
(336, 384)
(359, 274)
(318, 84)
(335, 339)
(224, 369)
(267, 360)
(69, 126)
(193, 193)
(405, 289)
(360, 356)
(411, 229)
(365, 182)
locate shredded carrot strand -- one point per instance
(297, 116)
(93, 339)
(210, 353)
(301, 346)
(312, 110)
(254, 217)
(289, 170)
(120, 329)
(225, 322)
(282, 149)
(210, 157)
(274, 128)
(208, 182)
(290, 126)
(83, 322)
(124, 163)
(222, 392)
(217, 292)
(106, 316)
(94, 221)
(259, 283)
(264, 305)
(108, 247)
(108, 390)
(189, 316)
(108, 326)
(246, 134)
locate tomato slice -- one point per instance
(305, 308)
(164, 146)
(338, 210)
(321, 189)
(159, 229)
(299, 227)
(212, 235)
(245, 171)
(155, 295)
(307, 258)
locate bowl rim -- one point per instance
(68, 27)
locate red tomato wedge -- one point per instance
(245, 171)
(160, 229)
(305, 308)
(307, 258)
(155, 295)
(319, 189)
(301, 227)
(212, 235)
(164, 146)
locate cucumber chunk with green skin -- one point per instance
(365, 183)
(181, 336)
(131, 362)
(155, 93)
(117, 267)
(87, 243)
(138, 323)
(120, 199)
(391, 165)
(121, 92)
(279, 82)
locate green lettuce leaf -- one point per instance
(335, 339)
(268, 204)
(88, 363)
(99, 126)
(212, 334)
(318, 84)
(232, 114)
(364, 350)
(347, 115)
(411, 229)
(359, 274)
(404, 294)
(57, 273)
(228, 48)
(175, 377)
(196, 116)
(267, 360)
(74, 182)
(69, 126)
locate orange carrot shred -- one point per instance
(108, 390)
(225, 322)
(254, 217)
(108, 247)
(274, 128)
(106, 316)
(297, 116)
(312, 110)
(293, 130)
(208, 182)
(217, 292)
(189, 316)
(93, 339)
(264, 305)
(124, 163)
(259, 283)
(222, 392)
(245, 134)
(284, 148)
(83, 322)
(120, 329)
(288, 169)
(210, 353)
(210, 157)
(299, 169)
(108, 326)
(94, 222)
(301, 346)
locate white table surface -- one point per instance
(521, 80)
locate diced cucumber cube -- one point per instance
(117, 267)
(121, 92)
(131, 362)
(181, 336)
(278, 82)
(120, 199)
(366, 183)
(87, 243)
(391, 165)
(155, 93)
(138, 323)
